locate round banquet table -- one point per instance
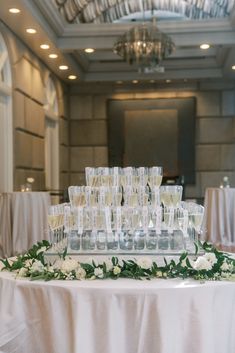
(219, 218)
(23, 221)
(123, 316)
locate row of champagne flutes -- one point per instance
(56, 218)
(128, 176)
(81, 196)
(125, 228)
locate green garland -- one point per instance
(212, 265)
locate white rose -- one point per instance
(23, 272)
(159, 274)
(145, 263)
(57, 264)
(116, 270)
(11, 260)
(42, 249)
(28, 263)
(210, 256)
(225, 266)
(69, 265)
(37, 266)
(109, 265)
(202, 264)
(50, 269)
(80, 273)
(99, 272)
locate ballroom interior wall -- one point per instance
(215, 127)
(84, 129)
(29, 76)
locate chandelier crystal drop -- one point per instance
(144, 45)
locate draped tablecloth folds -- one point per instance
(123, 316)
(219, 218)
(23, 221)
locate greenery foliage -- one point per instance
(212, 265)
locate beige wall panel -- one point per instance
(228, 103)
(227, 157)
(80, 158)
(99, 107)
(215, 130)
(93, 133)
(64, 181)
(208, 157)
(62, 108)
(81, 107)
(214, 179)
(23, 149)
(19, 110)
(77, 179)
(194, 191)
(21, 175)
(64, 158)
(38, 90)
(34, 117)
(64, 132)
(101, 156)
(208, 103)
(38, 160)
(23, 74)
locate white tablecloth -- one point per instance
(219, 220)
(23, 221)
(123, 316)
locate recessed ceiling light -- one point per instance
(135, 81)
(89, 50)
(233, 67)
(14, 10)
(31, 30)
(168, 81)
(53, 56)
(72, 77)
(119, 82)
(63, 67)
(44, 46)
(205, 46)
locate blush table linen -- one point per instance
(23, 221)
(219, 218)
(123, 316)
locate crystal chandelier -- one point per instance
(146, 46)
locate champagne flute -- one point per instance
(142, 173)
(155, 177)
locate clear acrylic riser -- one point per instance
(135, 243)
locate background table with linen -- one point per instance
(219, 218)
(122, 316)
(23, 221)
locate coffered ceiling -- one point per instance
(71, 26)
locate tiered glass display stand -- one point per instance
(124, 212)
